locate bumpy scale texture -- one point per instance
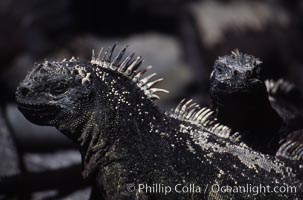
(105, 106)
(265, 112)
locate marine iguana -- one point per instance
(106, 107)
(263, 111)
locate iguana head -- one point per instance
(235, 76)
(53, 90)
(71, 91)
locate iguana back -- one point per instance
(106, 107)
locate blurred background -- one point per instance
(179, 38)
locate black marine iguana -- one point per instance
(267, 111)
(106, 107)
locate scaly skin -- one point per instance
(241, 100)
(105, 108)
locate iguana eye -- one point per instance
(219, 69)
(58, 89)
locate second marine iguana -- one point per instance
(106, 107)
(265, 112)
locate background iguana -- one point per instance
(106, 107)
(265, 112)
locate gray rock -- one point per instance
(9, 164)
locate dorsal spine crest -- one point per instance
(191, 112)
(128, 67)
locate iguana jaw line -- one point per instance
(41, 114)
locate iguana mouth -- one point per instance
(39, 114)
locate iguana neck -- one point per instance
(116, 128)
(247, 111)
(255, 118)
